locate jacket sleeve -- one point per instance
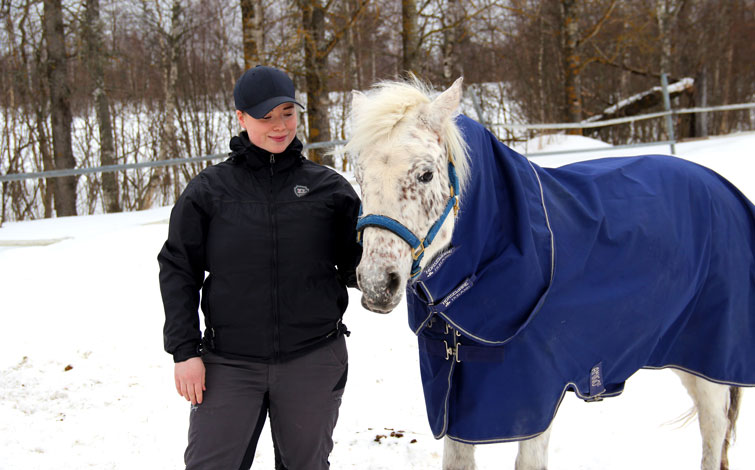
(349, 252)
(182, 267)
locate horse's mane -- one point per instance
(386, 104)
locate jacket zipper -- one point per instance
(274, 229)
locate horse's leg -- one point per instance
(717, 409)
(533, 453)
(457, 455)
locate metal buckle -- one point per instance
(452, 352)
(417, 254)
(449, 327)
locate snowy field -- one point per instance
(85, 384)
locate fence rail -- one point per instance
(624, 120)
(335, 143)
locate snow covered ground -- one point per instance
(84, 382)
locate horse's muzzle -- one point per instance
(381, 290)
(376, 308)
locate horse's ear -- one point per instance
(357, 97)
(445, 105)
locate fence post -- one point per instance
(667, 106)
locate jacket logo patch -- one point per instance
(300, 190)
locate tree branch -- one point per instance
(337, 35)
(597, 26)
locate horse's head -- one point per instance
(403, 142)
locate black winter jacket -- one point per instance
(276, 234)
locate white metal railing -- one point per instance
(335, 143)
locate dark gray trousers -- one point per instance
(303, 396)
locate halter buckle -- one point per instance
(420, 249)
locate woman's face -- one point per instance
(275, 131)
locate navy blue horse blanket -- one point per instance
(574, 278)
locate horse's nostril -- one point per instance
(394, 282)
(359, 278)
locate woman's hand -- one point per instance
(190, 379)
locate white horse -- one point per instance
(403, 140)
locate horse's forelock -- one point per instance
(386, 106)
(380, 112)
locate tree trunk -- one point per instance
(168, 135)
(315, 66)
(96, 66)
(542, 100)
(409, 37)
(355, 41)
(60, 107)
(253, 37)
(665, 13)
(48, 195)
(728, 58)
(351, 77)
(453, 33)
(701, 88)
(572, 62)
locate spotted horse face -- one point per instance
(407, 190)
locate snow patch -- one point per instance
(84, 382)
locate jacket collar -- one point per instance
(244, 151)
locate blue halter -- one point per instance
(417, 245)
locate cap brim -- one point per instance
(261, 109)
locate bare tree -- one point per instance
(453, 21)
(60, 106)
(170, 41)
(317, 48)
(409, 37)
(572, 39)
(572, 66)
(252, 17)
(95, 58)
(617, 53)
(667, 12)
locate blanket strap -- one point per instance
(460, 352)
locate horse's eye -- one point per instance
(425, 177)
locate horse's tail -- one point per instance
(735, 399)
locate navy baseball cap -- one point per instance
(261, 89)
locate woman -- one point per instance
(275, 234)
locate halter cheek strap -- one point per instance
(417, 245)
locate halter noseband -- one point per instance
(417, 245)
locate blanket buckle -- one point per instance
(452, 352)
(451, 328)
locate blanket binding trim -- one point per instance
(446, 400)
(540, 301)
(547, 224)
(698, 374)
(429, 315)
(538, 306)
(575, 389)
(579, 395)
